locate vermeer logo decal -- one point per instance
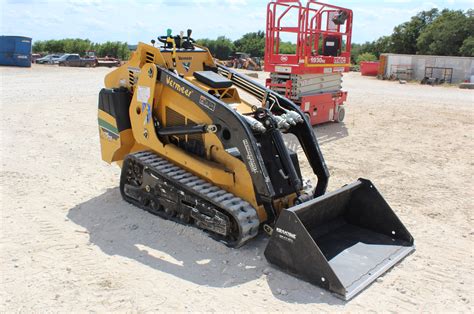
(177, 87)
(186, 66)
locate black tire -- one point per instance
(341, 114)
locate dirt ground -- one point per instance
(69, 242)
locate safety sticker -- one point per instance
(143, 94)
(281, 69)
(146, 107)
(205, 102)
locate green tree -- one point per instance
(38, 47)
(367, 56)
(287, 48)
(382, 45)
(467, 48)
(80, 46)
(446, 34)
(53, 46)
(221, 48)
(77, 45)
(115, 49)
(376, 48)
(404, 36)
(252, 43)
(355, 52)
(429, 32)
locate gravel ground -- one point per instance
(69, 243)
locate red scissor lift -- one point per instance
(312, 76)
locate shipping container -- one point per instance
(15, 51)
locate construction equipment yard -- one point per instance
(69, 242)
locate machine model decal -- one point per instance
(177, 87)
(319, 60)
(286, 235)
(205, 102)
(250, 159)
(339, 60)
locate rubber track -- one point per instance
(241, 211)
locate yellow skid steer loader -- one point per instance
(194, 152)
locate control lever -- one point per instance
(188, 44)
(170, 40)
(190, 31)
(181, 35)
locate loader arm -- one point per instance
(231, 128)
(303, 131)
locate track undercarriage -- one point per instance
(161, 188)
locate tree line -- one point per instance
(221, 48)
(433, 32)
(251, 43)
(115, 49)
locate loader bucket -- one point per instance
(341, 241)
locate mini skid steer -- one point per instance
(194, 152)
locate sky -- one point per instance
(143, 20)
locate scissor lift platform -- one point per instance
(312, 76)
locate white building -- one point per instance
(416, 67)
